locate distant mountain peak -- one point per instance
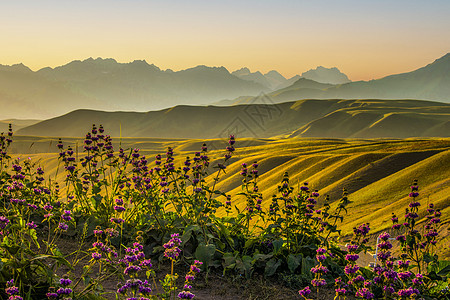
(326, 75)
(241, 72)
(442, 60)
(20, 67)
(143, 64)
(106, 60)
(139, 61)
(204, 68)
(272, 80)
(274, 74)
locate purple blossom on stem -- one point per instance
(305, 292)
(318, 282)
(172, 247)
(185, 295)
(351, 269)
(364, 293)
(63, 226)
(352, 257)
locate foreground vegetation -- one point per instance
(134, 214)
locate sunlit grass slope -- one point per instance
(336, 118)
(376, 172)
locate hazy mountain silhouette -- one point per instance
(25, 94)
(272, 80)
(326, 75)
(307, 118)
(431, 82)
(108, 85)
(104, 84)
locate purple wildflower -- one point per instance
(63, 226)
(186, 295)
(305, 292)
(352, 257)
(384, 236)
(364, 293)
(318, 282)
(65, 281)
(351, 269)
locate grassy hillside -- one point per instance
(376, 172)
(305, 118)
(17, 123)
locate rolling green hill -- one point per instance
(304, 118)
(17, 123)
(376, 172)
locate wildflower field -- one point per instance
(103, 218)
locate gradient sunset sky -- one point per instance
(364, 39)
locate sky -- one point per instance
(364, 39)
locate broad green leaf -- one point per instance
(205, 253)
(271, 267)
(433, 276)
(307, 264)
(249, 243)
(244, 265)
(228, 260)
(445, 271)
(294, 262)
(259, 260)
(277, 244)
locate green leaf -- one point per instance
(277, 244)
(433, 276)
(220, 244)
(428, 258)
(244, 265)
(410, 241)
(205, 253)
(249, 243)
(307, 264)
(294, 262)
(96, 200)
(217, 192)
(86, 280)
(95, 189)
(228, 260)
(259, 260)
(224, 232)
(186, 237)
(271, 267)
(93, 297)
(445, 271)
(11, 249)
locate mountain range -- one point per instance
(431, 82)
(272, 80)
(303, 118)
(105, 84)
(108, 85)
(326, 75)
